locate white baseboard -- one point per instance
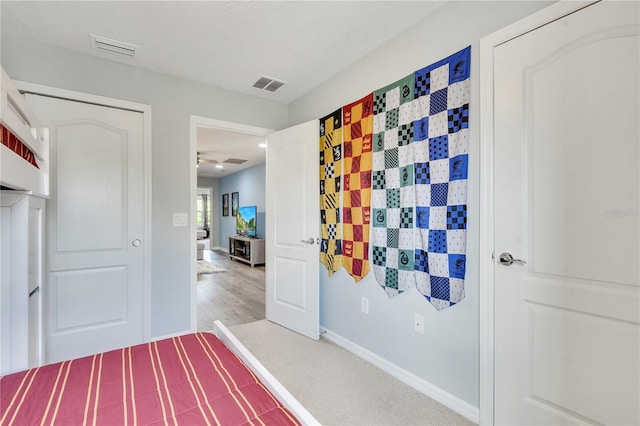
(224, 249)
(434, 392)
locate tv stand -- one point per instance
(247, 250)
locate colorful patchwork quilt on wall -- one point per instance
(330, 179)
(356, 193)
(392, 194)
(441, 149)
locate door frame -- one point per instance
(145, 109)
(196, 121)
(487, 192)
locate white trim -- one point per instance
(196, 121)
(145, 109)
(432, 391)
(487, 192)
(281, 393)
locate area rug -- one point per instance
(205, 267)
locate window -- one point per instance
(203, 208)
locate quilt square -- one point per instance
(438, 101)
(422, 195)
(423, 84)
(456, 241)
(439, 192)
(439, 147)
(406, 176)
(421, 129)
(457, 265)
(391, 158)
(439, 78)
(438, 264)
(458, 143)
(421, 261)
(405, 260)
(380, 218)
(460, 66)
(365, 179)
(391, 278)
(457, 217)
(391, 120)
(393, 237)
(438, 217)
(379, 256)
(379, 103)
(405, 134)
(393, 198)
(438, 124)
(458, 167)
(378, 179)
(440, 288)
(422, 173)
(437, 241)
(422, 217)
(406, 217)
(458, 119)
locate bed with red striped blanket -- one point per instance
(187, 380)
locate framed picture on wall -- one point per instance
(225, 204)
(235, 202)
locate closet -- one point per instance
(24, 187)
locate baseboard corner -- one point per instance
(434, 392)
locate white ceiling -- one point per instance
(228, 44)
(221, 145)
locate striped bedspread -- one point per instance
(188, 380)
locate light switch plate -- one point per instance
(180, 219)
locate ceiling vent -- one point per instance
(113, 46)
(234, 161)
(268, 84)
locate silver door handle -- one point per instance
(310, 241)
(506, 259)
(136, 243)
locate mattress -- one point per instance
(192, 379)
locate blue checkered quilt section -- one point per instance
(441, 150)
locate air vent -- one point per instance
(268, 84)
(113, 46)
(234, 161)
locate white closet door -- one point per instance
(95, 286)
(567, 335)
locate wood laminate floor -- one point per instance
(234, 297)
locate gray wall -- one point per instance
(447, 354)
(172, 101)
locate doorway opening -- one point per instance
(218, 162)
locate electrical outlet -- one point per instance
(364, 305)
(418, 323)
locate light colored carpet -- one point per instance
(337, 387)
(205, 267)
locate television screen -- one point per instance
(246, 219)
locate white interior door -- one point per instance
(567, 333)
(95, 256)
(293, 226)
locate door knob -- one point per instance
(506, 259)
(309, 241)
(136, 243)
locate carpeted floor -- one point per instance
(337, 387)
